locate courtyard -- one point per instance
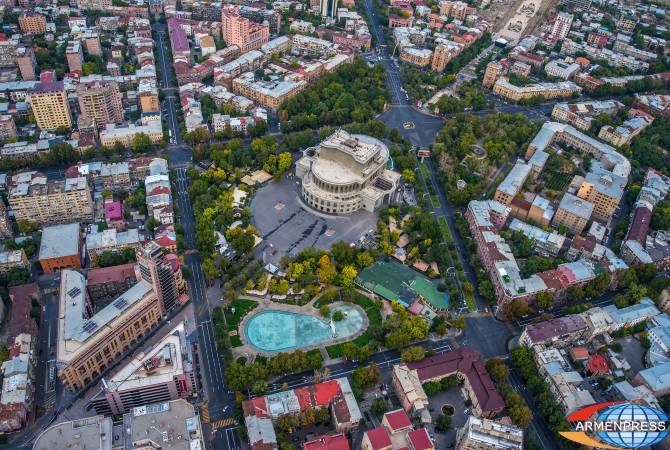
(288, 225)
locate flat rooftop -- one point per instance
(59, 240)
(82, 434)
(171, 425)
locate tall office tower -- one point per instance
(328, 8)
(50, 106)
(158, 268)
(100, 101)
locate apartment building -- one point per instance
(108, 283)
(33, 23)
(604, 190)
(25, 59)
(420, 57)
(111, 240)
(101, 102)
(561, 26)
(74, 54)
(87, 343)
(163, 372)
(11, 259)
(60, 247)
(547, 91)
(269, 94)
(573, 213)
(242, 32)
(91, 41)
(124, 135)
(580, 115)
(444, 52)
(627, 131)
(512, 184)
(48, 202)
(561, 69)
(50, 106)
(5, 225)
(7, 127)
(493, 70)
(487, 434)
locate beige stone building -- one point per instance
(50, 106)
(33, 23)
(100, 101)
(25, 59)
(573, 213)
(493, 70)
(124, 135)
(270, 94)
(419, 57)
(548, 91)
(34, 199)
(603, 189)
(486, 434)
(87, 343)
(445, 52)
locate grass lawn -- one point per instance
(242, 307)
(435, 200)
(470, 300)
(424, 171)
(235, 341)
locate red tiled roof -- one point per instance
(379, 438)
(397, 420)
(324, 392)
(337, 442)
(469, 363)
(598, 364)
(420, 439)
(579, 353)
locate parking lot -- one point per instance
(287, 225)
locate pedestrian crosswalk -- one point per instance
(223, 423)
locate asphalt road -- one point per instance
(212, 367)
(171, 92)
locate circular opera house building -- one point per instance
(345, 173)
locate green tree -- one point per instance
(414, 353)
(443, 423)
(141, 143)
(497, 369)
(379, 406)
(324, 310)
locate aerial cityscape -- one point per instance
(334, 225)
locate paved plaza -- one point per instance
(287, 225)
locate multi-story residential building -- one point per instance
(18, 383)
(8, 51)
(420, 57)
(604, 190)
(60, 247)
(657, 105)
(561, 69)
(111, 240)
(486, 434)
(580, 115)
(10, 259)
(7, 127)
(34, 199)
(124, 135)
(163, 271)
(174, 424)
(74, 55)
(336, 395)
(444, 52)
(347, 173)
(269, 94)
(573, 213)
(6, 231)
(50, 106)
(33, 23)
(165, 371)
(101, 102)
(108, 283)
(91, 41)
(468, 365)
(627, 131)
(101, 5)
(547, 91)
(544, 242)
(626, 23)
(561, 331)
(512, 184)
(242, 32)
(493, 70)
(87, 343)
(561, 26)
(25, 59)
